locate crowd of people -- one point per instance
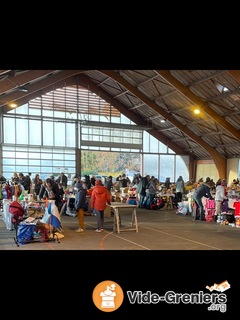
(146, 189)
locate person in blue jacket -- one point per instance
(80, 201)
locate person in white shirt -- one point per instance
(219, 197)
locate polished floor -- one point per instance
(157, 230)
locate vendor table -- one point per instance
(35, 209)
(117, 206)
(167, 198)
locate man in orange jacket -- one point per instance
(99, 200)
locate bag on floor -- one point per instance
(25, 233)
(229, 217)
(160, 203)
(209, 215)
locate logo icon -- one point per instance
(108, 296)
(223, 286)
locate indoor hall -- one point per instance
(157, 230)
(172, 122)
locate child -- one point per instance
(80, 200)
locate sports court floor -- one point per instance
(157, 230)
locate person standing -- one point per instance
(87, 181)
(2, 179)
(53, 193)
(219, 197)
(99, 200)
(150, 192)
(29, 182)
(167, 183)
(6, 190)
(37, 185)
(109, 183)
(15, 178)
(43, 191)
(63, 179)
(93, 180)
(123, 182)
(203, 191)
(180, 186)
(141, 190)
(24, 182)
(80, 201)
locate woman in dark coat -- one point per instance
(53, 192)
(37, 184)
(202, 191)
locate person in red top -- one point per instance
(99, 200)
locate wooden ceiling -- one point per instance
(149, 96)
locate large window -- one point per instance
(167, 167)
(53, 132)
(38, 160)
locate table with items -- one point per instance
(167, 198)
(26, 218)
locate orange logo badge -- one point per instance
(108, 296)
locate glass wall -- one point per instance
(44, 135)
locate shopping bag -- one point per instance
(25, 233)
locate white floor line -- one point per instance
(182, 238)
(162, 232)
(112, 233)
(135, 243)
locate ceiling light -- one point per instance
(162, 120)
(12, 104)
(196, 111)
(22, 89)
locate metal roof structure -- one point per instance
(163, 101)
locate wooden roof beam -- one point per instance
(166, 74)
(219, 160)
